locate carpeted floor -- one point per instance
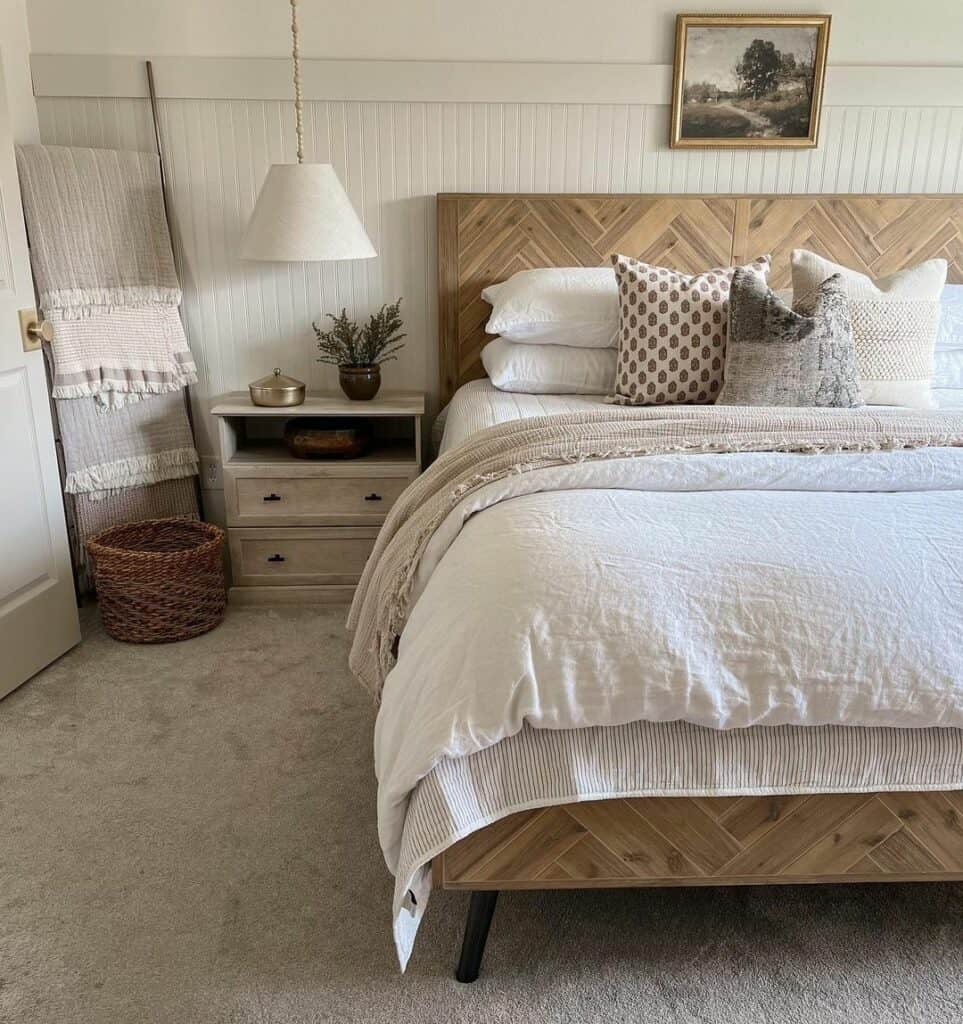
(187, 834)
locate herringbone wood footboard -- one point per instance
(715, 841)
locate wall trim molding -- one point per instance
(453, 82)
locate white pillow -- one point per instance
(549, 369)
(895, 322)
(576, 306)
(948, 371)
(948, 398)
(949, 341)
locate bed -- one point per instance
(529, 738)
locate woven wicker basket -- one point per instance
(159, 580)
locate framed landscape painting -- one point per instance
(748, 81)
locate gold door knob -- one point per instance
(34, 330)
(40, 330)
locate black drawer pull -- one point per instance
(372, 497)
(275, 558)
(272, 497)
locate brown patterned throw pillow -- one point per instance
(672, 332)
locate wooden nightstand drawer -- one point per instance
(322, 556)
(316, 501)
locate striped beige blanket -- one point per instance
(98, 233)
(120, 355)
(102, 258)
(382, 599)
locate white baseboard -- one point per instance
(290, 595)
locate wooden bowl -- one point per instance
(326, 438)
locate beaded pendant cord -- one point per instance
(298, 99)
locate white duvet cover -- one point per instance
(479, 404)
(722, 590)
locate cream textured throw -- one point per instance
(98, 234)
(120, 355)
(101, 253)
(142, 443)
(381, 602)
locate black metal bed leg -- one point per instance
(480, 913)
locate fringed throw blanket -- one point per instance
(382, 600)
(120, 355)
(143, 443)
(98, 234)
(102, 257)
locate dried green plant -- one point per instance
(348, 344)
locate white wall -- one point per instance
(878, 32)
(399, 133)
(393, 157)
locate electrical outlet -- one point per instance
(211, 479)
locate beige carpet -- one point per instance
(187, 835)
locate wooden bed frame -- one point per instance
(876, 837)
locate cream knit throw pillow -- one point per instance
(895, 322)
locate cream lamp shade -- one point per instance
(303, 214)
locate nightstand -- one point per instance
(302, 529)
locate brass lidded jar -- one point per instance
(277, 390)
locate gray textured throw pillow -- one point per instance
(776, 356)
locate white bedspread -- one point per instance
(744, 594)
(479, 404)
(721, 590)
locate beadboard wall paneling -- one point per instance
(242, 319)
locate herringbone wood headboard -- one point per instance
(483, 238)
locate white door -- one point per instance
(38, 611)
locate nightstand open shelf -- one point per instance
(301, 529)
(386, 454)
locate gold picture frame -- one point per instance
(738, 82)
